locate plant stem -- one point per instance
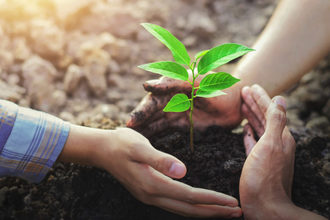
(192, 108)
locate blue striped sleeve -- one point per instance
(8, 112)
(35, 141)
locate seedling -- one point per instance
(205, 61)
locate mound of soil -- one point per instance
(76, 192)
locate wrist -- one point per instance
(282, 209)
(83, 145)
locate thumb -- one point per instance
(276, 118)
(163, 162)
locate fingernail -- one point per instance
(177, 169)
(255, 86)
(245, 88)
(280, 101)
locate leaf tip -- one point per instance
(141, 66)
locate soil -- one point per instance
(76, 192)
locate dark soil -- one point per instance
(75, 192)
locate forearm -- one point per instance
(296, 38)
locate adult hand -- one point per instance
(147, 173)
(266, 180)
(148, 117)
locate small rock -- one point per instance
(113, 67)
(3, 192)
(27, 199)
(67, 116)
(47, 38)
(293, 118)
(313, 95)
(326, 168)
(190, 41)
(39, 76)
(117, 48)
(94, 63)
(114, 96)
(11, 92)
(59, 97)
(13, 79)
(232, 166)
(20, 49)
(105, 19)
(308, 78)
(64, 62)
(72, 78)
(200, 23)
(326, 109)
(6, 60)
(319, 123)
(69, 11)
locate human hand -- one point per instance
(147, 173)
(266, 180)
(148, 117)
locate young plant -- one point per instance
(205, 61)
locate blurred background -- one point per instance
(78, 59)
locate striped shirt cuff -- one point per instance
(35, 142)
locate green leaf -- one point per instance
(200, 54)
(177, 48)
(209, 94)
(167, 68)
(220, 55)
(217, 81)
(178, 103)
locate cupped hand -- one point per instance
(148, 117)
(147, 173)
(266, 180)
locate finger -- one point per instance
(276, 119)
(253, 121)
(249, 141)
(162, 124)
(150, 106)
(252, 104)
(160, 161)
(154, 127)
(165, 85)
(199, 210)
(185, 193)
(288, 142)
(261, 97)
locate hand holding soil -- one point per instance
(149, 118)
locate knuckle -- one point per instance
(157, 164)
(191, 195)
(163, 163)
(148, 190)
(145, 199)
(278, 115)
